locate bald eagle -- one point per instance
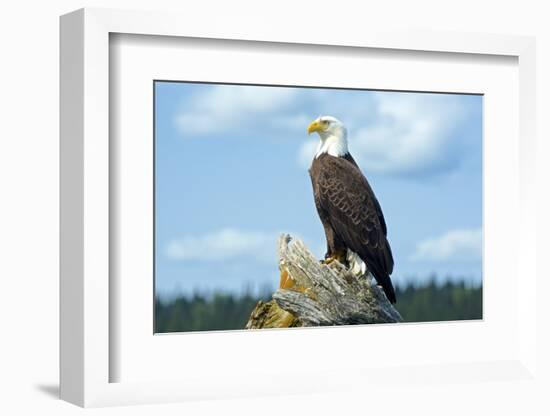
(354, 225)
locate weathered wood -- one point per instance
(316, 294)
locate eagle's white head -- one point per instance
(333, 136)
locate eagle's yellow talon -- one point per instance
(340, 256)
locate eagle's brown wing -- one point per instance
(355, 215)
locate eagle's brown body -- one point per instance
(351, 215)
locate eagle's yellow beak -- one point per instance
(315, 125)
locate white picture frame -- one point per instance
(86, 356)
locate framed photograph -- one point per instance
(238, 147)
(312, 205)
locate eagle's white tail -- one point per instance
(356, 265)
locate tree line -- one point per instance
(430, 301)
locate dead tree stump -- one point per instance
(312, 293)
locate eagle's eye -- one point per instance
(326, 122)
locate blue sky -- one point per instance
(231, 175)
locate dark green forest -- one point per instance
(221, 311)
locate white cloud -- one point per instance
(225, 244)
(401, 133)
(390, 133)
(412, 134)
(455, 245)
(223, 108)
